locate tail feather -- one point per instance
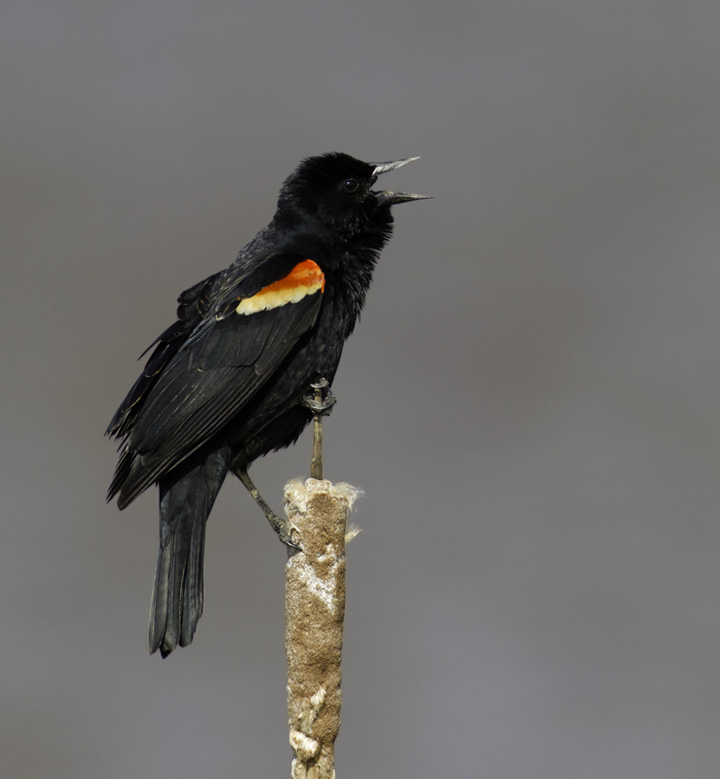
(185, 502)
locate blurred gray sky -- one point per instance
(530, 401)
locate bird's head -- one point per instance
(337, 189)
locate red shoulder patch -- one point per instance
(304, 279)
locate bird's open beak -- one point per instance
(388, 198)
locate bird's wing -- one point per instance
(194, 389)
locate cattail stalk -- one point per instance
(314, 613)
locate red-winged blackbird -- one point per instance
(231, 379)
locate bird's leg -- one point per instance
(320, 403)
(278, 524)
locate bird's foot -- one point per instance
(321, 400)
(282, 527)
(278, 523)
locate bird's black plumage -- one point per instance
(226, 382)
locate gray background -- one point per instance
(530, 401)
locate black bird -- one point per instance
(231, 379)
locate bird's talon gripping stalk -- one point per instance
(278, 524)
(321, 400)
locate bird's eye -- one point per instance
(350, 185)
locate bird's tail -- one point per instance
(186, 497)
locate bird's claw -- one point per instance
(321, 400)
(282, 528)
